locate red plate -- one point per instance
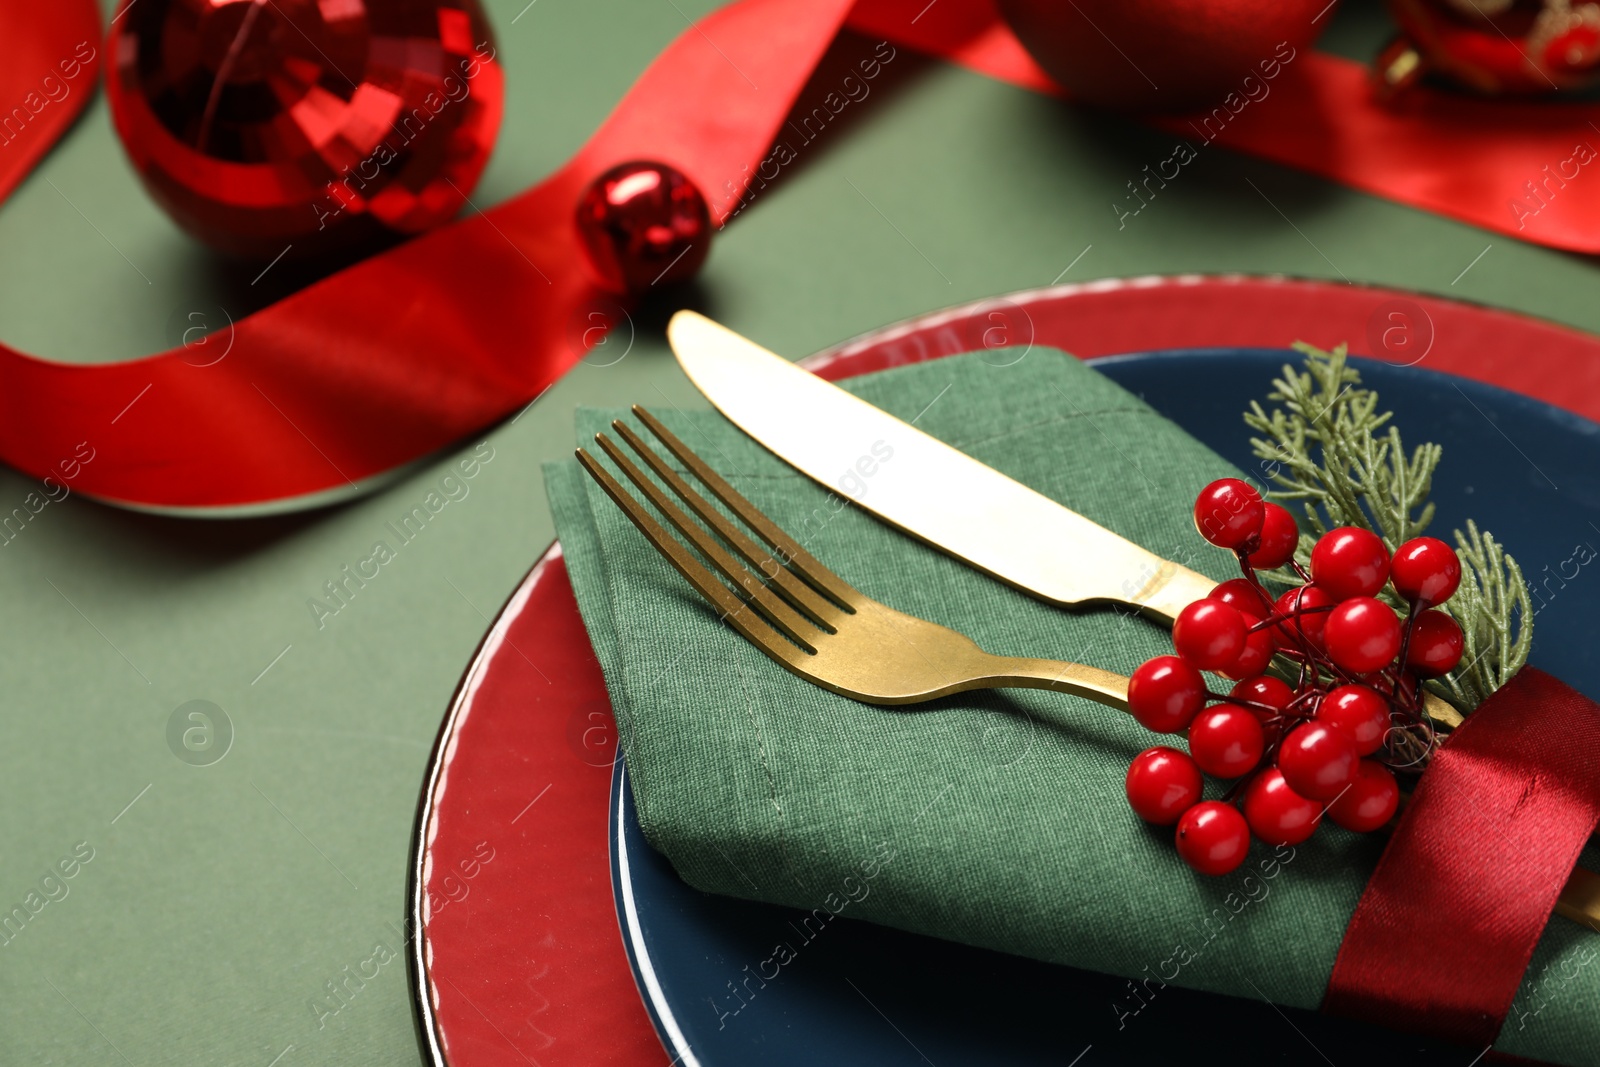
(519, 958)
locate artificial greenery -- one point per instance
(1327, 446)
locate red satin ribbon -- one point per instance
(1446, 927)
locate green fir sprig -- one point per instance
(1328, 447)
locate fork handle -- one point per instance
(1075, 678)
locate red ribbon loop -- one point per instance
(1446, 927)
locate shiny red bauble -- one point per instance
(1307, 610)
(1362, 635)
(1172, 57)
(1226, 741)
(1280, 535)
(1240, 595)
(1209, 634)
(1425, 570)
(1277, 814)
(1162, 784)
(1213, 837)
(644, 224)
(1436, 644)
(1497, 47)
(1318, 760)
(1358, 711)
(1228, 512)
(1165, 694)
(1349, 562)
(1371, 800)
(264, 125)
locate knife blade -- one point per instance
(921, 485)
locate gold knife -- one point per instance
(933, 492)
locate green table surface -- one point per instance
(220, 899)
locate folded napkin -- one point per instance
(995, 819)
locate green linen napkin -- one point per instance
(994, 819)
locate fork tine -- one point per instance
(798, 559)
(728, 606)
(800, 596)
(781, 616)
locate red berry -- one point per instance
(1277, 814)
(1306, 600)
(1213, 837)
(1318, 760)
(1243, 597)
(1209, 634)
(1350, 561)
(1359, 712)
(1226, 741)
(1272, 692)
(1369, 802)
(1162, 784)
(1436, 644)
(1165, 694)
(1362, 635)
(1228, 513)
(1280, 535)
(1426, 570)
(1258, 649)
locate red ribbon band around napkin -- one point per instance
(1447, 924)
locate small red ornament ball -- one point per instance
(1370, 801)
(1213, 837)
(1228, 512)
(1426, 570)
(1226, 741)
(1436, 644)
(1277, 814)
(1349, 562)
(1318, 760)
(1165, 694)
(1495, 47)
(1149, 54)
(1280, 535)
(1362, 635)
(1359, 712)
(1209, 634)
(1162, 784)
(644, 224)
(258, 126)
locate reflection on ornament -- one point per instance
(1495, 47)
(644, 224)
(261, 124)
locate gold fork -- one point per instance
(804, 616)
(819, 627)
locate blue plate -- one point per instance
(867, 994)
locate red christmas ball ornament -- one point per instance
(1162, 784)
(1213, 837)
(644, 224)
(1277, 814)
(263, 126)
(1148, 54)
(1495, 47)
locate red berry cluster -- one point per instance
(1324, 745)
